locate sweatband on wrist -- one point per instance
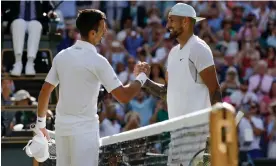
(142, 78)
(41, 122)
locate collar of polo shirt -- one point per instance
(86, 45)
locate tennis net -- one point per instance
(172, 142)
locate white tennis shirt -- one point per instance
(80, 70)
(186, 92)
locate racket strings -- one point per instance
(52, 149)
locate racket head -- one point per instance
(201, 159)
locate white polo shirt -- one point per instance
(80, 71)
(186, 92)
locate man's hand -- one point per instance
(142, 67)
(45, 133)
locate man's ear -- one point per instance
(92, 33)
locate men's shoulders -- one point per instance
(98, 59)
(200, 47)
(174, 49)
(59, 55)
(200, 54)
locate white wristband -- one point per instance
(41, 122)
(142, 78)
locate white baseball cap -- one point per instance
(22, 95)
(184, 10)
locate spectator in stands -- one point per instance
(121, 35)
(160, 112)
(249, 31)
(261, 14)
(156, 41)
(228, 61)
(157, 73)
(26, 17)
(250, 129)
(110, 101)
(136, 12)
(132, 42)
(271, 39)
(68, 41)
(226, 26)
(118, 53)
(105, 46)
(270, 57)
(114, 7)
(231, 83)
(144, 54)
(238, 12)
(261, 82)
(6, 116)
(24, 117)
(7, 91)
(120, 67)
(132, 120)
(109, 126)
(3, 126)
(272, 92)
(271, 132)
(128, 75)
(242, 96)
(249, 71)
(144, 105)
(162, 52)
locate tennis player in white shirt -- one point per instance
(80, 70)
(191, 79)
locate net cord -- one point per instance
(188, 120)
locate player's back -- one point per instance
(78, 87)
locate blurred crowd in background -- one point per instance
(242, 36)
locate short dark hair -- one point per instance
(89, 19)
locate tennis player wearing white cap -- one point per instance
(79, 71)
(191, 80)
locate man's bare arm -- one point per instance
(43, 99)
(127, 92)
(157, 90)
(209, 77)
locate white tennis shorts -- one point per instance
(78, 150)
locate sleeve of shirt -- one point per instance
(107, 75)
(52, 76)
(202, 56)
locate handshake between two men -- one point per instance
(157, 90)
(142, 67)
